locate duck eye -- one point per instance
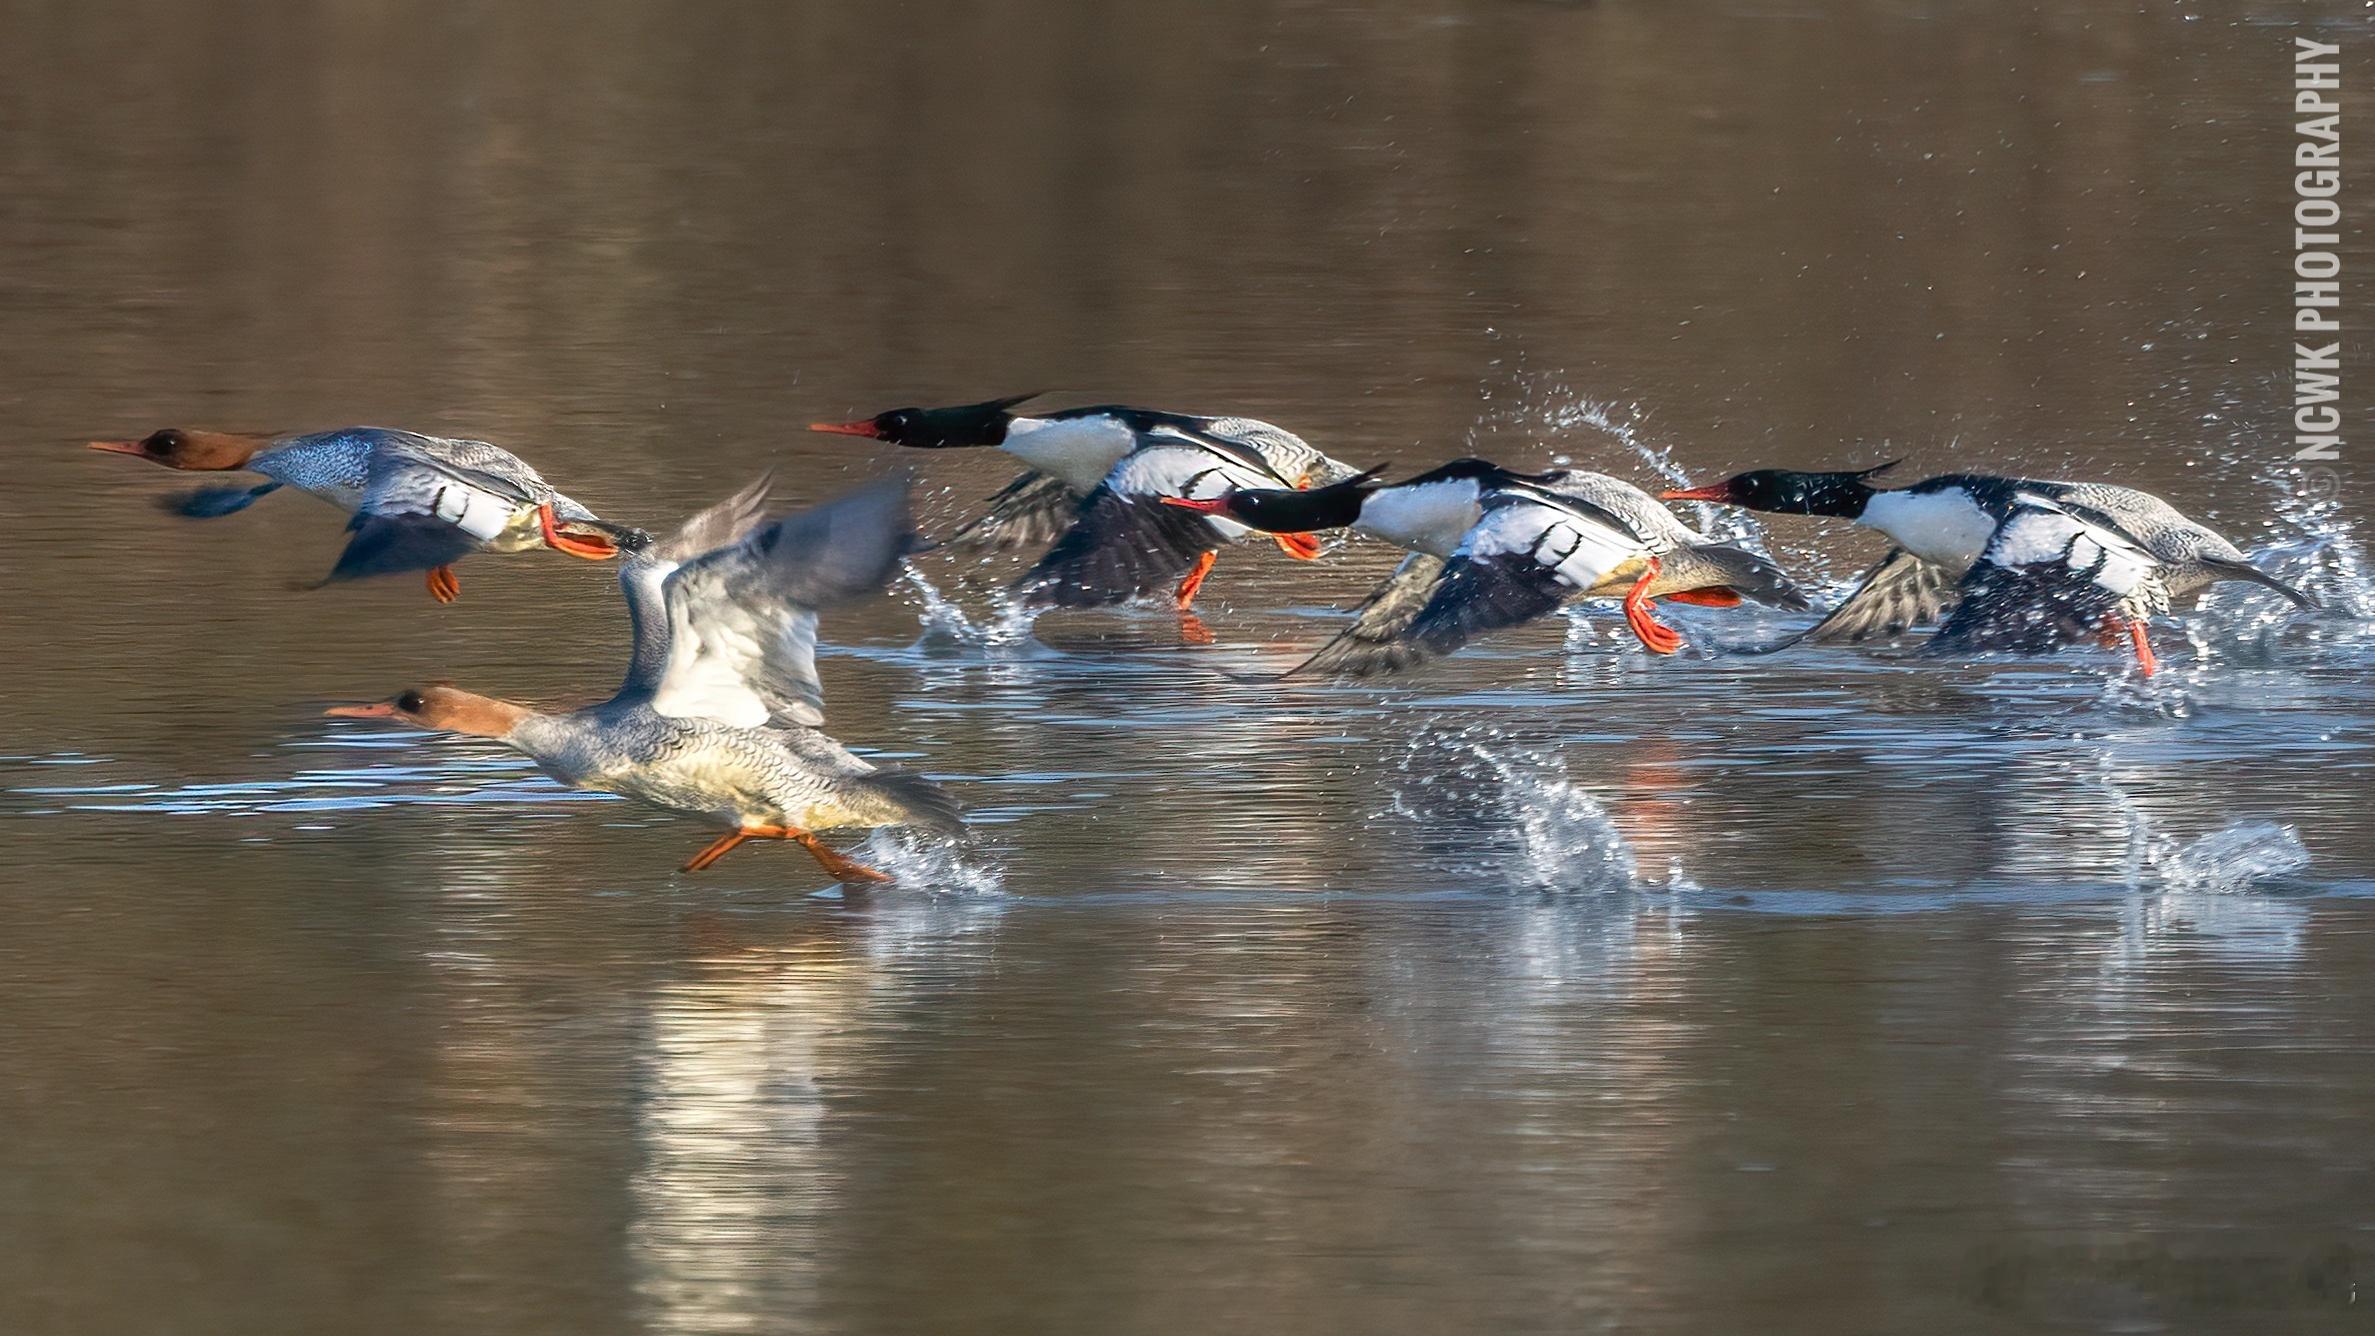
(410, 702)
(161, 441)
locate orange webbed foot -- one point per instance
(444, 585)
(1654, 636)
(1195, 580)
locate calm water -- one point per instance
(1553, 989)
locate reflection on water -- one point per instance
(1559, 987)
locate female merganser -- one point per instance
(718, 717)
(2044, 554)
(1491, 548)
(1124, 542)
(1069, 453)
(420, 503)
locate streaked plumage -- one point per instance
(718, 716)
(420, 503)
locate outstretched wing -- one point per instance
(1125, 542)
(643, 578)
(2051, 575)
(419, 512)
(1900, 592)
(1031, 511)
(742, 618)
(1375, 643)
(1526, 556)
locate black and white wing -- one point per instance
(1529, 553)
(1125, 542)
(1376, 641)
(741, 633)
(1032, 511)
(420, 512)
(2052, 575)
(1900, 592)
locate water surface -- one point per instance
(1557, 988)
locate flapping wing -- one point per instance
(1119, 546)
(2051, 575)
(1900, 592)
(1032, 511)
(1375, 643)
(419, 513)
(643, 578)
(1523, 559)
(742, 618)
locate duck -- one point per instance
(2024, 565)
(720, 716)
(1068, 453)
(1490, 548)
(1124, 542)
(420, 503)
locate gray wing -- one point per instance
(1032, 511)
(419, 512)
(1375, 643)
(2050, 576)
(643, 579)
(742, 618)
(1900, 592)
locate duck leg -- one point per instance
(444, 586)
(840, 868)
(1718, 596)
(717, 849)
(2146, 661)
(1300, 546)
(592, 549)
(1194, 580)
(1654, 637)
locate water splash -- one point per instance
(2234, 858)
(946, 624)
(1561, 838)
(928, 863)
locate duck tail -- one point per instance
(1752, 576)
(912, 800)
(2227, 568)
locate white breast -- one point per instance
(1081, 451)
(1945, 527)
(1428, 518)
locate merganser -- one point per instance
(1491, 548)
(1069, 452)
(719, 715)
(420, 503)
(2043, 553)
(1124, 542)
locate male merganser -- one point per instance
(1125, 542)
(1491, 548)
(1069, 453)
(718, 717)
(2039, 550)
(420, 503)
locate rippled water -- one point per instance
(1555, 988)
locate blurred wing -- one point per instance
(418, 514)
(729, 521)
(1032, 511)
(1900, 592)
(742, 618)
(1375, 643)
(2050, 576)
(1118, 547)
(1521, 561)
(1124, 541)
